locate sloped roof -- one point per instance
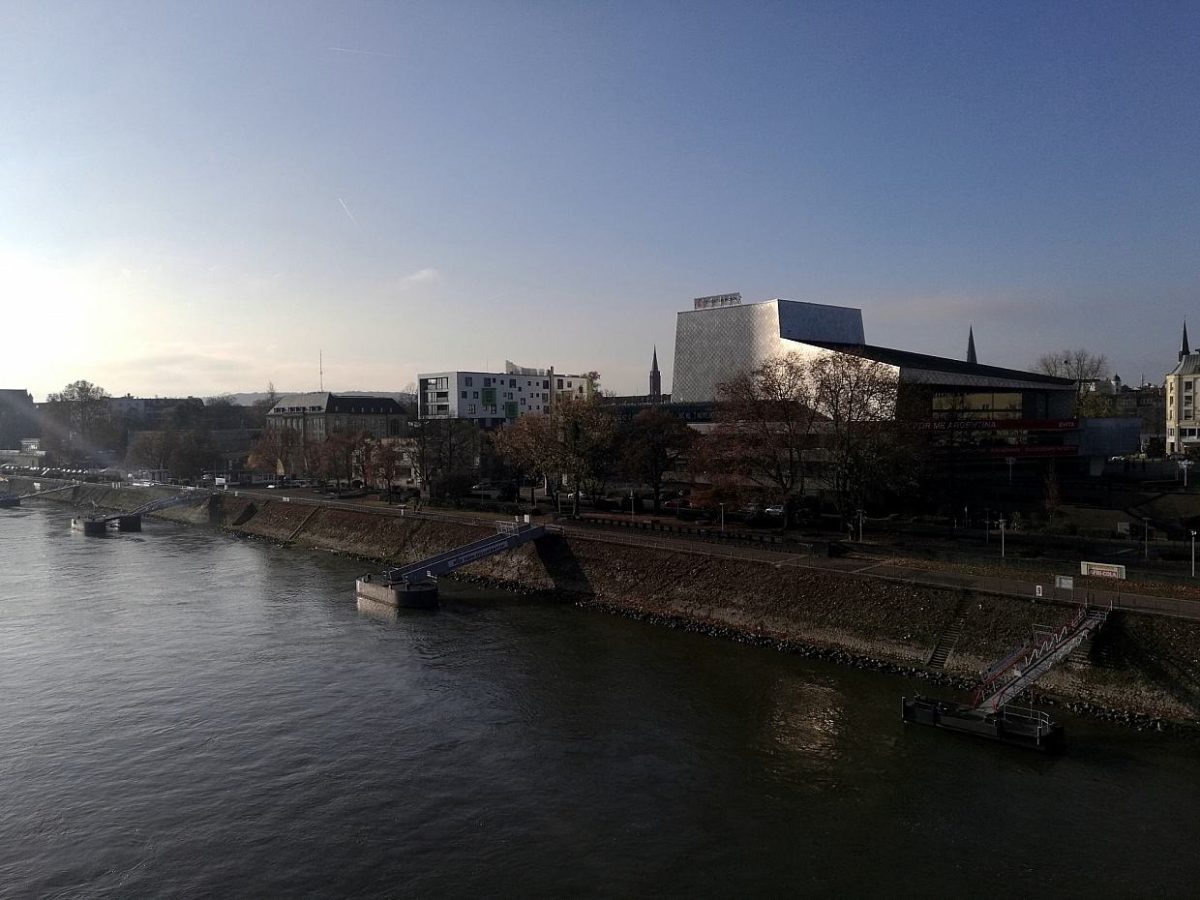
(1189, 365)
(905, 359)
(342, 404)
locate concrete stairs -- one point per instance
(948, 639)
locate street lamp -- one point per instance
(1193, 554)
(1146, 551)
(1002, 524)
(987, 525)
(1011, 460)
(722, 505)
(1184, 465)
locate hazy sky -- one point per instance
(200, 197)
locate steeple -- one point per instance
(1183, 348)
(655, 379)
(971, 346)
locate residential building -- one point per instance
(491, 399)
(1182, 384)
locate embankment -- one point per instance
(1146, 665)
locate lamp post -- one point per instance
(1184, 465)
(987, 525)
(1146, 547)
(1011, 460)
(1193, 553)
(722, 505)
(859, 513)
(1002, 523)
(631, 513)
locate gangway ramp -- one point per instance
(415, 584)
(98, 523)
(1020, 670)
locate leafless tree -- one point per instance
(530, 446)
(1081, 366)
(857, 399)
(766, 421)
(652, 445)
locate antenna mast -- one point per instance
(321, 368)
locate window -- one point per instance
(560, 381)
(512, 382)
(470, 409)
(487, 382)
(474, 395)
(469, 381)
(464, 395)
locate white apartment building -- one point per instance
(493, 398)
(1183, 389)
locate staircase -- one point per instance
(948, 639)
(1018, 672)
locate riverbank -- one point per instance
(1144, 667)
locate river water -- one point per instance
(186, 714)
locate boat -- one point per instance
(91, 525)
(1020, 727)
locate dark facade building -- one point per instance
(18, 418)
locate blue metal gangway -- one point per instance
(156, 505)
(508, 535)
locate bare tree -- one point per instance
(530, 446)
(386, 463)
(766, 423)
(445, 454)
(652, 445)
(857, 398)
(75, 419)
(1080, 365)
(586, 446)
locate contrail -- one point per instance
(365, 52)
(347, 209)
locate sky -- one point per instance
(199, 198)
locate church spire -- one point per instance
(971, 346)
(655, 379)
(1183, 348)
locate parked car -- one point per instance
(775, 512)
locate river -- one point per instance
(188, 714)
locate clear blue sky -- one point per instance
(200, 197)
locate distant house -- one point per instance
(317, 415)
(492, 398)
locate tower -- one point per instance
(1183, 347)
(971, 346)
(655, 379)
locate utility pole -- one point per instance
(1002, 524)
